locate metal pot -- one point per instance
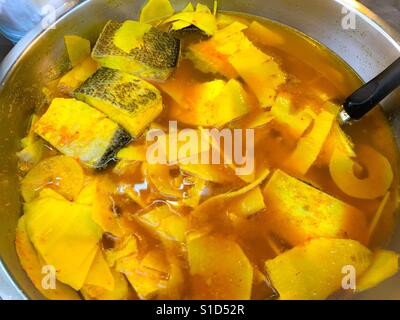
(41, 56)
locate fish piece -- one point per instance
(79, 131)
(154, 56)
(126, 99)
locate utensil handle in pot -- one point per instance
(373, 92)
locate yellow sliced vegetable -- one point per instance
(32, 153)
(174, 286)
(261, 34)
(385, 264)
(33, 266)
(166, 223)
(120, 291)
(65, 236)
(180, 24)
(231, 39)
(192, 197)
(180, 147)
(313, 271)
(224, 20)
(146, 282)
(248, 203)
(379, 173)
(60, 173)
(378, 215)
(219, 269)
(202, 8)
(201, 18)
(200, 99)
(156, 10)
(86, 196)
(189, 8)
(264, 80)
(337, 139)
(125, 167)
(73, 79)
(78, 49)
(298, 212)
(230, 104)
(219, 202)
(309, 146)
(212, 56)
(129, 247)
(33, 147)
(288, 122)
(100, 274)
(130, 35)
(103, 212)
(209, 172)
(255, 120)
(50, 193)
(133, 153)
(156, 260)
(213, 104)
(215, 8)
(160, 176)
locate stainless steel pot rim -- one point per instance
(9, 289)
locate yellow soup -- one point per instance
(199, 157)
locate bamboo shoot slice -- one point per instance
(156, 10)
(313, 271)
(61, 173)
(385, 264)
(297, 212)
(219, 269)
(78, 49)
(33, 267)
(100, 274)
(378, 169)
(309, 147)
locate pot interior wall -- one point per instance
(368, 49)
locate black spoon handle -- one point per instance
(373, 92)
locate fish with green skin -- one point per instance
(137, 48)
(126, 99)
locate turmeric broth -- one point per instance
(116, 226)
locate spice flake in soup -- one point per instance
(197, 155)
